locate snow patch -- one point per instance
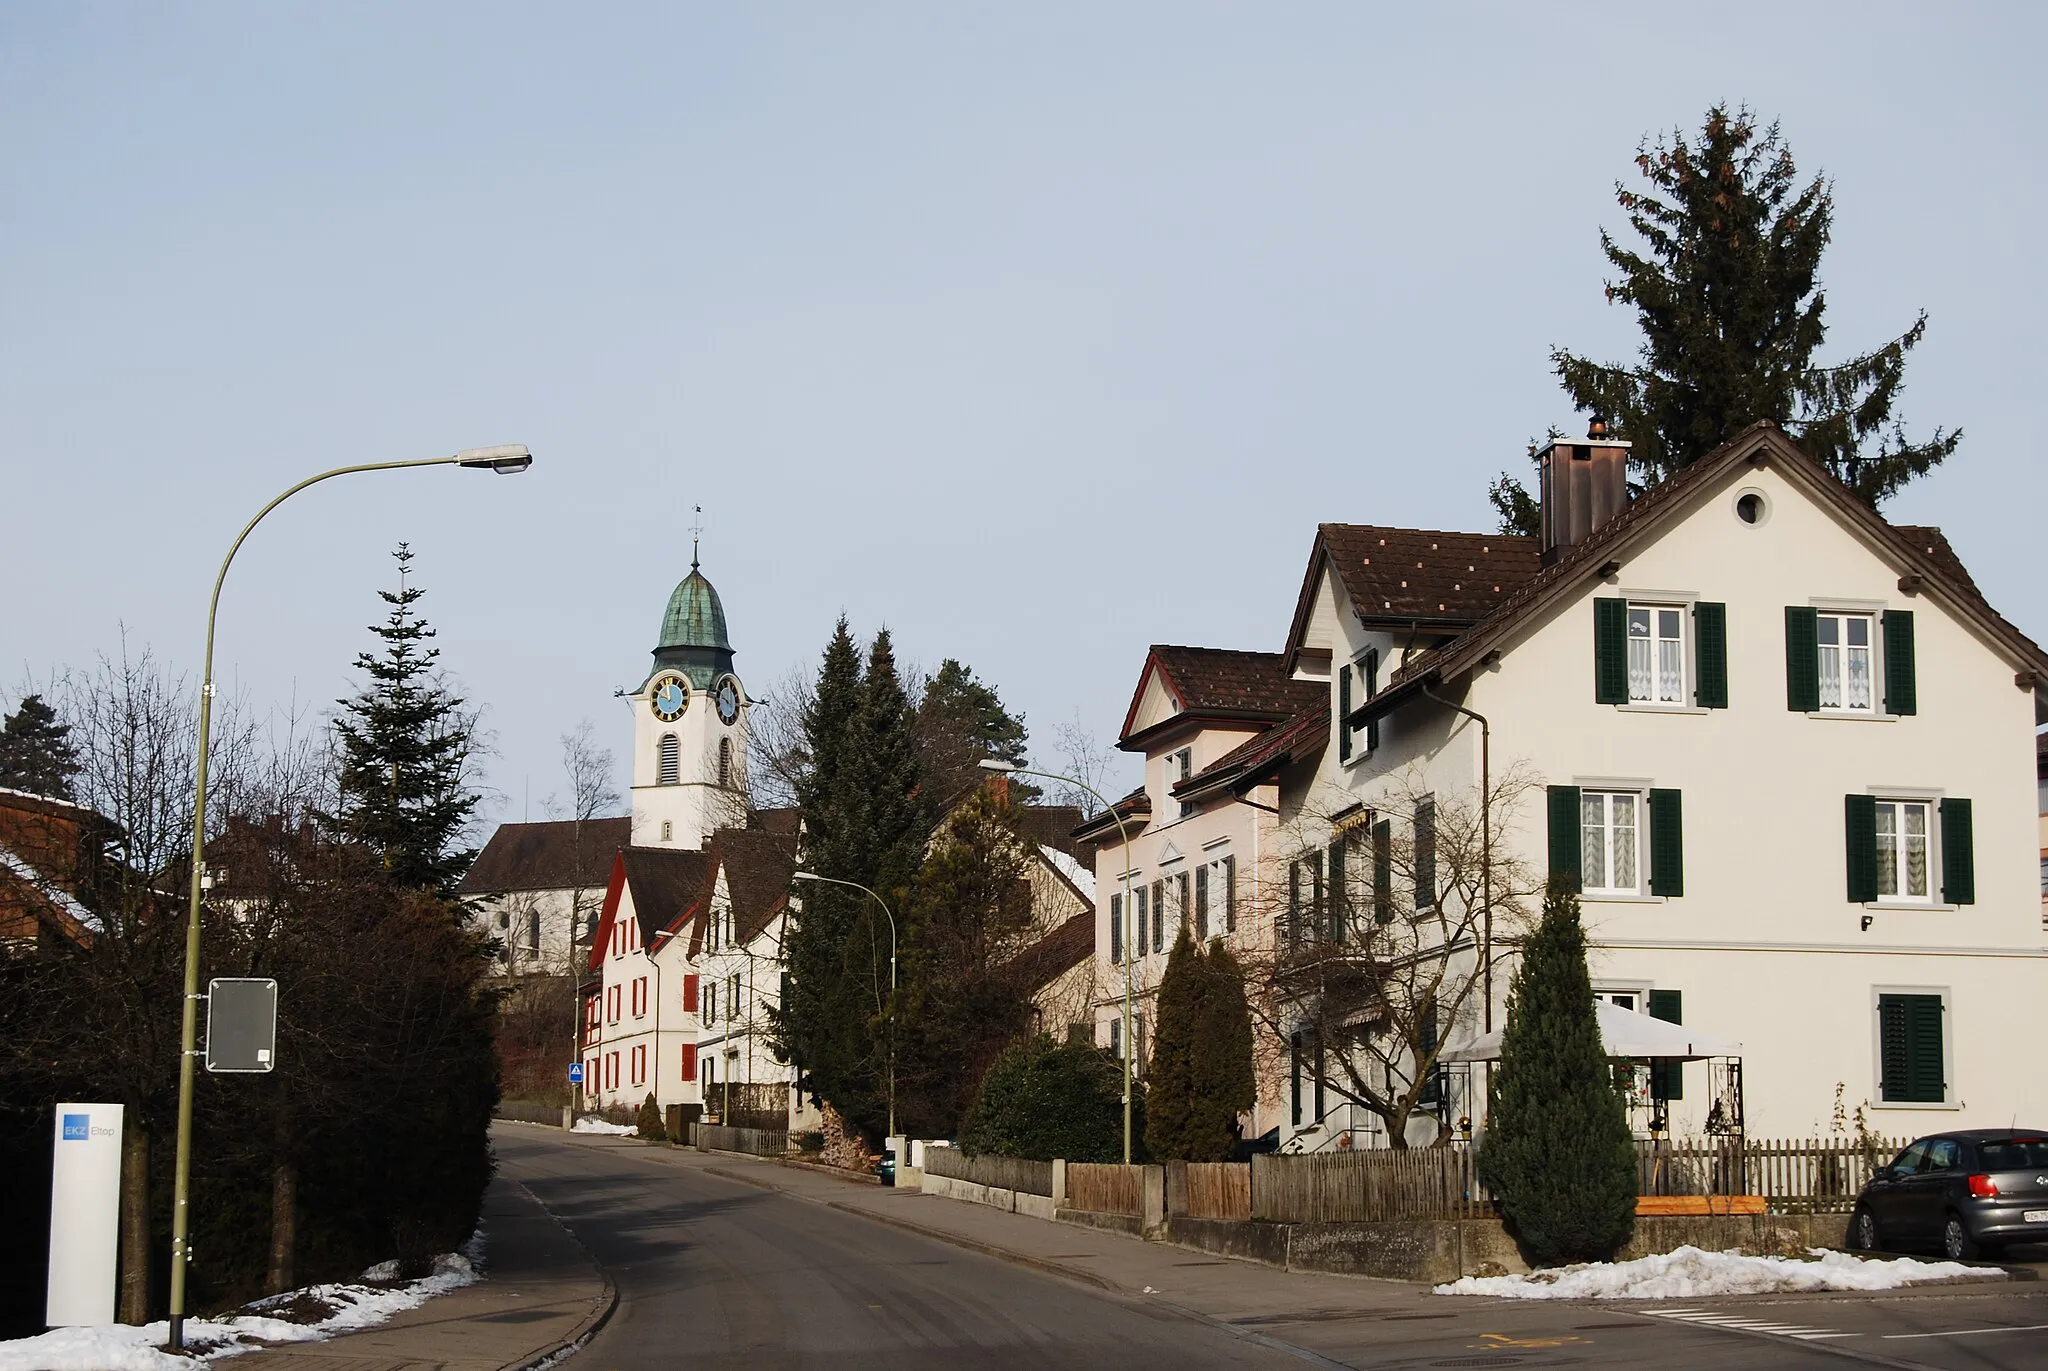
(1081, 876)
(590, 1123)
(348, 1306)
(1689, 1273)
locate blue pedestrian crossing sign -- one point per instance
(576, 1074)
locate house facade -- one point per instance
(1777, 744)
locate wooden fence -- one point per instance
(1103, 1188)
(1004, 1173)
(1794, 1175)
(1361, 1187)
(1219, 1190)
(761, 1142)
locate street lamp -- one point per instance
(855, 885)
(506, 460)
(1130, 1045)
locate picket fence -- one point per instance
(1004, 1173)
(1794, 1175)
(1219, 1190)
(1358, 1187)
(1103, 1187)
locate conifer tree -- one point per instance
(1557, 1154)
(1172, 1119)
(1727, 291)
(405, 745)
(1221, 1062)
(36, 754)
(960, 722)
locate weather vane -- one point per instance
(696, 534)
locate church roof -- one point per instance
(695, 618)
(556, 855)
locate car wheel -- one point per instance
(1863, 1232)
(1957, 1242)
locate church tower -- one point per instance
(689, 726)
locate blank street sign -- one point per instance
(241, 1025)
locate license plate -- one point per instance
(2035, 1216)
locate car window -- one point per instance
(1943, 1154)
(1908, 1162)
(2014, 1154)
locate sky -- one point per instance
(1037, 334)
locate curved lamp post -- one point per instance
(505, 460)
(855, 885)
(1130, 1045)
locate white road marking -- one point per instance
(1714, 1318)
(1969, 1332)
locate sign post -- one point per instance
(85, 1215)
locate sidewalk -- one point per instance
(540, 1293)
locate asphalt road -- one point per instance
(710, 1268)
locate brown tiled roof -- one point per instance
(1136, 805)
(757, 867)
(667, 883)
(1218, 683)
(1066, 947)
(1417, 573)
(1291, 740)
(1050, 826)
(1924, 551)
(774, 820)
(547, 856)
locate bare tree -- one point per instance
(781, 755)
(1384, 921)
(1085, 759)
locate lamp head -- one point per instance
(803, 875)
(507, 459)
(997, 764)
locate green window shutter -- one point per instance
(1293, 903)
(1667, 845)
(1159, 916)
(1859, 821)
(1909, 1045)
(1802, 658)
(1667, 1077)
(1344, 713)
(1710, 655)
(1958, 853)
(1116, 928)
(1202, 903)
(1432, 1089)
(1370, 678)
(1383, 872)
(1337, 905)
(1901, 692)
(1230, 894)
(1425, 855)
(1565, 843)
(1610, 651)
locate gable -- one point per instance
(1154, 704)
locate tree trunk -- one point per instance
(134, 1282)
(284, 1227)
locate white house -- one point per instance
(734, 952)
(1780, 745)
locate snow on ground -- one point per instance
(321, 1311)
(1689, 1273)
(590, 1123)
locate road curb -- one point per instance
(601, 1309)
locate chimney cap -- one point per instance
(1597, 426)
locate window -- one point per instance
(611, 1004)
(1656, 655)
(1608, 841)
(611, 1071)
(1356, 684)
(669, 764)
(639, 1064)
(732, 997)
(1116, 925)
(1844, 642)
(1304, 898)
(533, 931)
(725, 763)
(1116, 1038)
(1180, 766)
(1902, 850)
(1912, 1059)
(667, 830)
(711, 1004)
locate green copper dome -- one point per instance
(695, 617)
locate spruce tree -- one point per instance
(1727, 291)
(960, 722)
(1558, 1155)
(405, 744)
(1221, 1061)
(1172, 1121)
(36, 754)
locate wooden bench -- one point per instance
(1687, 1206)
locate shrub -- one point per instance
(1044, 1100)
(650, 1121)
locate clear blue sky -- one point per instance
(1037, 332)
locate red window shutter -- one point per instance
(690, 1058)
(690, 996)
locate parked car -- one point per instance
(1970, 1193)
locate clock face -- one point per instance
(671, 698)
(728, 699)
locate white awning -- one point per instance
(1623, 1033)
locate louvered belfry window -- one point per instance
(669, 767)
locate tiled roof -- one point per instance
(1426, 574)
(1136, 805)
(1288, 741)
(757, 867)
(1216, 680)
(1050, 826)
(666, 883)
(1066, 947)
(774, 820)
(547, 856)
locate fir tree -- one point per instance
(960, 722)
(1727, 292)
(36, 754)
(405, 745)
(1170, 1122)
(1558, 1155)
(1221, 1062)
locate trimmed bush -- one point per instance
(1045, 1100)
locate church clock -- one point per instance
(671, 697)
(728, 699)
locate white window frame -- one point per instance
(1930, 863)
(1651, 607)
(1602, 890)
(1844, 615)
(1639, 994)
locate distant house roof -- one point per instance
(30, 901)
(1066, 947)
(757, 867)
(558, 855)
(1135, 808)
(1050, 826)
(1215, 684)
(775, 820)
